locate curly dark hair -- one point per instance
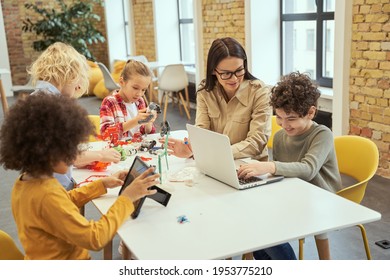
(42, 130)
(295, 92)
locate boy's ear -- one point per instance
(312, 112)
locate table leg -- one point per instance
(187, 98)
(125, 253)
(107, 251)
(3, 99)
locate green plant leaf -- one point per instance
(73, 24)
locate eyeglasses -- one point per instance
(227, 75)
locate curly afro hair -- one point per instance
(42, 130)
(295, 92)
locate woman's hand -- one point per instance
(178, 147)
(115, 180)
(139, 187)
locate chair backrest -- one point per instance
(275, 128)
(109, 82)
(357, 157)
(95, 119)
(140, 58)
(26, 88)
(173, 78)
(8, 248)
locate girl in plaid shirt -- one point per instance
(126, 108)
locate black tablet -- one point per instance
(136, 169)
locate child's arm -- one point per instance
(109, 111)
(65, 222)
(149, 127)
(307, 162)
(107, 155)
(146, 128)
(256, 168)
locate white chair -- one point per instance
(27, 88)
(171, 82)
(109, 82)
(140, 58)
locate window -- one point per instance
(127, 27)
(310, 38)
(307, 38)
(186, 30)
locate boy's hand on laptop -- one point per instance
(255, 169)
(178, 147)
(140, 186)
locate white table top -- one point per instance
(225, 222)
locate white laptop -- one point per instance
(214, 157)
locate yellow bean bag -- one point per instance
(100, 90)
(95, 75)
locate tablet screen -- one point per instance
(136, 169)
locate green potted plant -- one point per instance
(73, 24)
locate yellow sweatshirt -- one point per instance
(50, 225)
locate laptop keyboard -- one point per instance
(244, 181)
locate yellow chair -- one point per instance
(275, 128)
(8, 248)
(357, 157)
(95, 119)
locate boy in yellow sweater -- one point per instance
(41, 135)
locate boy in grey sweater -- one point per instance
(303, 148)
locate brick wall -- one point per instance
(144, 29)
(99, 50)
(222, 18)
(370, 76)
(20, 50)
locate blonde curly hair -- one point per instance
(60, 64)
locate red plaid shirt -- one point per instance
(113, 113)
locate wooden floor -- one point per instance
(345, 244)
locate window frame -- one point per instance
(320, 17)
(182, 21)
